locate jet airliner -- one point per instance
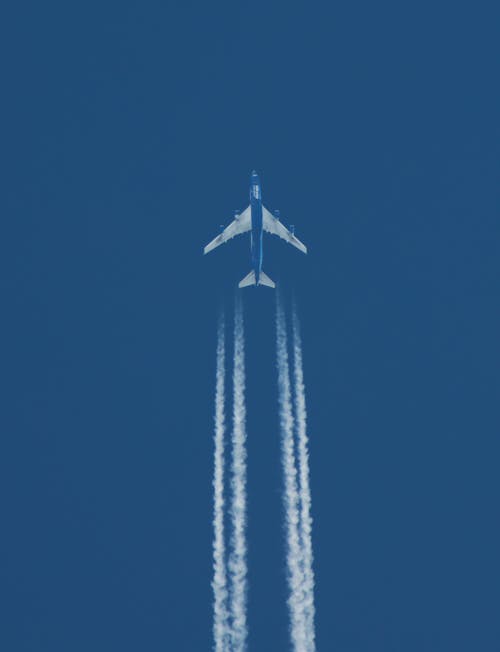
(256, 218)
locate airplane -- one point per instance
(256, 218)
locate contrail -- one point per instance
(219, 582)
(237, 559)
(305, 491)
(290, 497)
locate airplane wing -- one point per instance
(272, 225)
(241, 224)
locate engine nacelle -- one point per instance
(292, 229)
(277, 214)
(236, 214)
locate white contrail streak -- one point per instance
(237, 559)
(290, 496)
(304, 488)
(219, 582)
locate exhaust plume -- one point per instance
(237, 559)
(219, 582)
(290, 495)
(304, 490)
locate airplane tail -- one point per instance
(250, 280)
(265, 280)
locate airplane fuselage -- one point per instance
(256, 235)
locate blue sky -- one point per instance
(129, 134)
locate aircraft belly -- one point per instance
(257, 235)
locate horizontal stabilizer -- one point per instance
(265, 280)
(250, 280)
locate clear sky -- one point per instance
(129, 133)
